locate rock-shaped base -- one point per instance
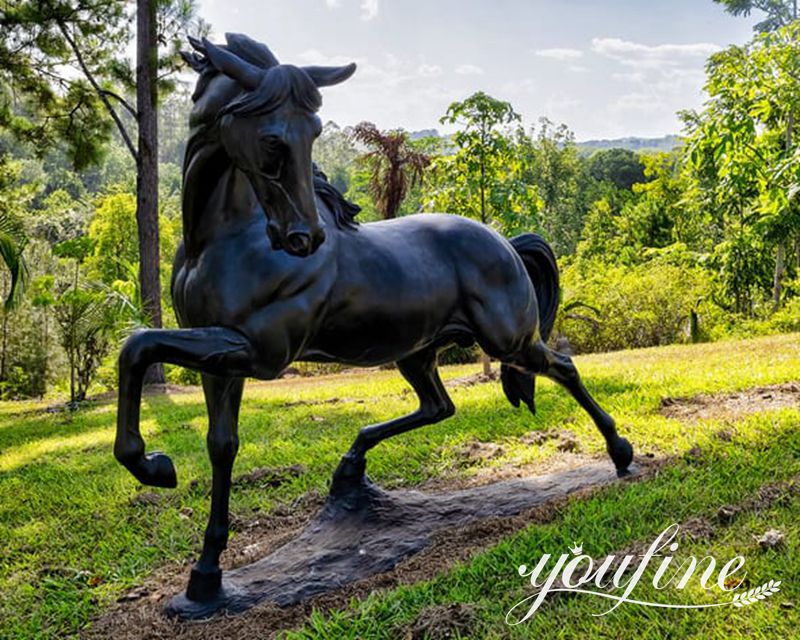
(367, 530)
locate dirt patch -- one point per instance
(442, 622)
(143, 618)
(732, 405)
(474, 453)
(269, 477)
(472, 380)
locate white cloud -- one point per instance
(369, 9)
(635, 54)
(632, 76)
(559, 102)
(331, 4)
(559, 53)
(578, 68)
(469, 70)
(429, 70)
(316, 57)
(637, 101)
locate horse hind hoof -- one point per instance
(622, 455)
(156, 470)
(204, 586)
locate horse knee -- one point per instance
(222, 448)
(135, 350)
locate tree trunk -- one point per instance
(780, 269)
(147, 169)
(487, 364)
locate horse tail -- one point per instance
(540, 263)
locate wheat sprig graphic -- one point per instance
(754, 595)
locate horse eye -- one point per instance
(270, 143)
(271, 167)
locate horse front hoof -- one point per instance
(204, 586)
(156, 470)
(621, 453)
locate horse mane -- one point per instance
(281, 83)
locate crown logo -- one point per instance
(577, 549)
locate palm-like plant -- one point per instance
(396, 166)
(12, 245)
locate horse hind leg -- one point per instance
(435, 405)
(537, 358)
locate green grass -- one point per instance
(72, 541)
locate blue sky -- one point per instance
(606, 69)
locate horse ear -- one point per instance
(246, 74)
(193, 61)
(327, 76)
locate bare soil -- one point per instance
(730, 406)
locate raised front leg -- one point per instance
(212, 350)
(223, 398)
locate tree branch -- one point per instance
(122, 101)
(102, 94)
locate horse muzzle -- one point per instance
(298, 242)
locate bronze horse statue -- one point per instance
(316, 286)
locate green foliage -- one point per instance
(483, 178)
(779, 12)
(114, 236)
(744, 161)
(13, 237)
(607, 308)
(89, 320)
(621, 167)
(552, 165)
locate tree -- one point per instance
(744, 156)
(552, 164)
(13, 237)
(621, 167)
(335, 154)
(483, 178)
(66, 58)
(88, 316)
(395, 166)
(483, 147)
(780, 13)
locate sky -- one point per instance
(606, 69)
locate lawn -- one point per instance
(77, 533)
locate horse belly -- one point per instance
(386, 319)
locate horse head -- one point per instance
(268, 129)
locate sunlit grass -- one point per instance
(72, 541)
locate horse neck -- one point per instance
(215, 194)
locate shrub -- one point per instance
(607, 308)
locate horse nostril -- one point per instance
(299, 243)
